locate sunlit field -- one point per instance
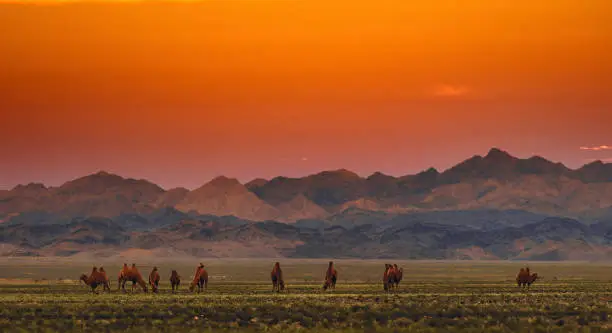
(45, 296)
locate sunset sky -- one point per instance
(180, 92)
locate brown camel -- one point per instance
(132, 274)
(95, 279)
(278, 284)
(525, 278)
(154, 280)
(389, 277)
(399, 274)
(121, 276)
(200, 279)
(331, 276)
(175, 280)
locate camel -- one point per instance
(331, 276)
(121, 276)
(525, 278)
(95, 279)
(154, 280)
(200, 279)
(389, 277)
(399, 274)
(278, 283)
(175, 280)
(132, 274)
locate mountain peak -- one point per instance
(257, 182)
(30, 187)
(594, 163)
(103, 173)
(430, 171)
(223, 181)
(379, 175)
(343, 173)
(498, 154)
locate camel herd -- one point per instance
(392, 276)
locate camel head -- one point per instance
(83, 278)
(327, 284)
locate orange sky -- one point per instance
(181, 92)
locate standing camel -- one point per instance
(389, 277)
(399, 274)
(525, 278)
(175, 280)
(278, 284)
(154, 280)
(331, 276)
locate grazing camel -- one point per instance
(399, 274)
(132, 274)
(154, 280)
(278, 284)
(95, 279)
(200, 279)
(331, 276)
(175, 280)
(525, 278)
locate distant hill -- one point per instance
(548, 239)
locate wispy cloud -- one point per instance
(449, 90)
(596, 148)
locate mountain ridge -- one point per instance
(496, 180)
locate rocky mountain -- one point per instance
(491, 206)
(494, 181)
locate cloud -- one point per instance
(596, 148)
(448, 90)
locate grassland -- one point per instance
(41, 296)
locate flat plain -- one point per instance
(44, 295)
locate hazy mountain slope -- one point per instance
(300, 208)
(225, 196)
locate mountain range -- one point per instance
(495, 206)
